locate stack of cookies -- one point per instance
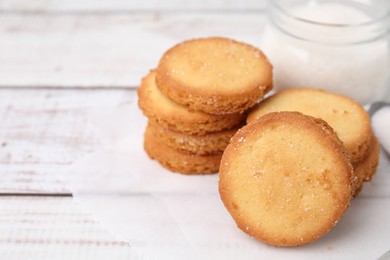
(347, 117)
(197, 98)
(289, 175)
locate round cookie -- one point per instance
(177, 161)
(214, 75)
(212, 143)
(348, 119)
(163, 111)
(286, 178)
(373, 158)
(366, 168)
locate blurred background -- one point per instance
(102, 43)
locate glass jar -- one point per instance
(341, 46)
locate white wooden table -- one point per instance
(60, 61)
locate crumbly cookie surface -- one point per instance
(214, 75)
(212, 143)
(163, 111)
(348, 118)
(177, 161)
(286, 178)
(365, 169)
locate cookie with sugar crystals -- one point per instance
(212, 143)
(177, 161)
(365, 169)
(347, 117)
(373, 157)
(163, 111)
(286, 178)
(215, 75)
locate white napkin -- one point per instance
(171, 216)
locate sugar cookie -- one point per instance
(215, 75)
(161, 110)
(286, 178)
(348, 118)
(177, 161)
(366, 168)
(213, 143)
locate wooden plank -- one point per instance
(43, 127)
(42, 131)
(123, 5)
(54, 228)
(22, 179)
(104, 50)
